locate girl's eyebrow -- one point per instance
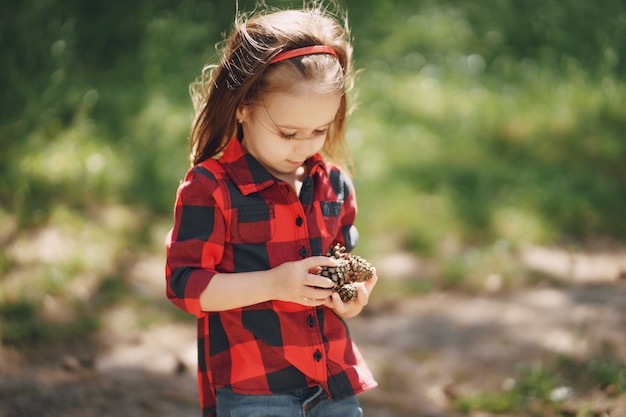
(298, 128)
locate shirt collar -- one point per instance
(248, 174)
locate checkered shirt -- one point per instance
(232, 215)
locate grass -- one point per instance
(22, 326)
(532, 393)
(547, 390)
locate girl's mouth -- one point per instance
(294, 163)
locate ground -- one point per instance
(425, 350)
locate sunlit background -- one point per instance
(489, 160)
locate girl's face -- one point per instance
(282, 130)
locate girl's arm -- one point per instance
(292, 281)
(196, 244)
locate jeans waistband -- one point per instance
(314, 398)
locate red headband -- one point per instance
(307, 50)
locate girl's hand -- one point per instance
(298, 281)
(352, 308)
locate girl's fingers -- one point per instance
(337, 304)
(316, 293)
(312, 302)
(319, 281)
(314, 262)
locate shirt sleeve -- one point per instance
(195, 245)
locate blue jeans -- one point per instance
(310, 402)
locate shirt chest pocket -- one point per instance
(331, 211)
(253, 223)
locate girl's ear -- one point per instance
(243, 112)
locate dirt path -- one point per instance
(424, 351)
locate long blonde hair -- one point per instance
(244, 74)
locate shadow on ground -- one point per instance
(425, 351)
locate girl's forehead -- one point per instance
(302, 110)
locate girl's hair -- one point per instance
(245, 74)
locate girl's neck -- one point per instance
(296, 178)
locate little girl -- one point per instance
(255, 216)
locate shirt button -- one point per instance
(299, 221)
(304, 251)
(310, 321)
(318, 355)
(308, 185)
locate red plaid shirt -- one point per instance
(232, 215)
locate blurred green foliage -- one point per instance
(481, 126)
(481, 120)
(493, 120)
(96, 103)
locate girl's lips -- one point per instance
(294, 163)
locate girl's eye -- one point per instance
(315, 133)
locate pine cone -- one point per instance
(348, 292)
(336, 274)
(360, 269)
(351, 269)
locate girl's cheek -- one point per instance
(317, 144)
(303, 147)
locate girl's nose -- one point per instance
(305, 146)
